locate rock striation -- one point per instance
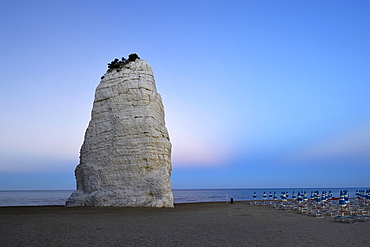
(125, 159)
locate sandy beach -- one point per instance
(198, 224)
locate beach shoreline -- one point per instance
(187, 224)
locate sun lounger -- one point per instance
(287, 207)
(263, 204)
(366, 218)
(333, 213)
(317, 213)
(351, 219)
(302, 209)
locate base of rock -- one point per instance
(117, 199)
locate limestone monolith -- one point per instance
(125, 159)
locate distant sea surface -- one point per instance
(58, 197)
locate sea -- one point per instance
(59, 197)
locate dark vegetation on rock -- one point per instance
(116, 63)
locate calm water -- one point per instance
(58, 197)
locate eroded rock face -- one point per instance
(125, 159)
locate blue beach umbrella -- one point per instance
(318, 199)
(254, 196)
(264, 196)
(270, 196)
(275, 196)
(293, 196)
(342, 201)
(346, 196)
(283, 197)
(312, 195)
(299, 197)
(305, 196)
(323, 196)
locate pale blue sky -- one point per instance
(256, 93)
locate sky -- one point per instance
(257, 94)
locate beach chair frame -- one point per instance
(351, 220)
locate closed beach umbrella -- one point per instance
(299, 197)
(342, 201)
(254, 196)
(270, 196)
(318, 199)
(275, 196)
(305, 196)
(264, 196)
(293, 196)
(346, 196)
(283, 197)
(323, 197)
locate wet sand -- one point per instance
(198, 224)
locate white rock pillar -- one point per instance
(125, 159)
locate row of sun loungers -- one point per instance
(353, 219)
(354, 211)
(350, 219)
